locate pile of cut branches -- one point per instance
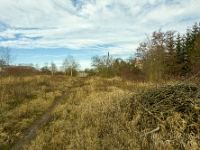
(172, 109)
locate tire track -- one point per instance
(31, 132)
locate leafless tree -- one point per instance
(53, 68)
(70, 64)
(6, 57)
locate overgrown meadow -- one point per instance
(99, 113)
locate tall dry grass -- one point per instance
(94, 116)
(22, 101)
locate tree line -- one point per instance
(166, 55)
(163, 55)
(70, 66)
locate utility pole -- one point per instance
(108, 65)
(108, 60)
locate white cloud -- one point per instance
(81, 24)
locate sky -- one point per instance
(45, 31)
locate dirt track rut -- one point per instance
(31, 132)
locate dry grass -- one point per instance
(96, 115)
(22, 101)
(88, 119)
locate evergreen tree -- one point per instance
(191, 45)
(195, 56)
(171, 59)
(179, 49)
(182, 65)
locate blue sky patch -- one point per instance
(84, 28)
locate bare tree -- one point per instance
(53, 68)
(5, 56)
(45, 68)
(2, 62)
(152, 52)
(70, 64)
(37, 67)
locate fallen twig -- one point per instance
(149, 112)
(154, 130)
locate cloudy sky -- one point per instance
(39, 31)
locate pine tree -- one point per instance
(179, 49)
(195, 56)
(170, 56)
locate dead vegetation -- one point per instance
(22, 101)
(174, 111)
(104, 114)
(117, 114)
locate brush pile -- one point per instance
(174, 111)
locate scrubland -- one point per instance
(101, 114)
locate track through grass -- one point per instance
(31, 133)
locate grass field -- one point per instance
(96, 114)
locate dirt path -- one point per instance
(31, 132)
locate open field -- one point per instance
(23, 100)
(99, 113)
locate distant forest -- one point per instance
(163, 55)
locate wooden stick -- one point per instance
(154, 130)
(149, 112)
